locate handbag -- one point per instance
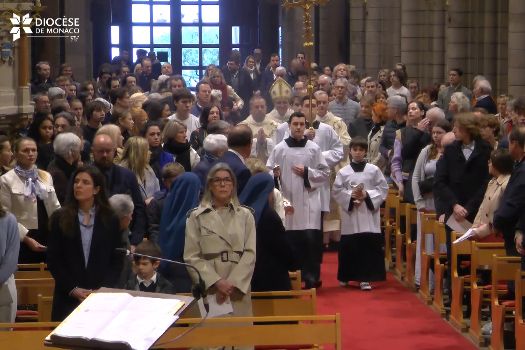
(425, 186)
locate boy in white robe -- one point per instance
(360, 188)
(302, 168)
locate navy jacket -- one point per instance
(488, 104)
(510, 212)
(203, 167)
(242, 173)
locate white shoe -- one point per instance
(365, 286)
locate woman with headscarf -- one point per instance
(182, 197)
(274, 255)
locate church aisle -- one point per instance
(389, 317)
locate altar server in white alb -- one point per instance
(360, 188)
(303, 171)
(325, 137)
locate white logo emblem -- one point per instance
(20, 24)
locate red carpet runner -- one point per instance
(389, 317)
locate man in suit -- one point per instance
(512, 204)
(120, 180)
(239, 79)
(454, 78)
(239, 148)
(482, 91)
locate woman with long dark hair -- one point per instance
(83, 239)
(208, 115)
(42, 131)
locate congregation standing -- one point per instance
(239, 177)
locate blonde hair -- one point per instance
(469, 122)
(136, 155)
(111, 130)
(256, 166)
(207, 198)
(171, 129)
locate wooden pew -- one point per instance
(519, 321)
(410, 246)
(285, 303)
(389, 225)
(399, 268)
(28, 290)
(26, 271)
(481, 257)
(440, 238)
(504, 269)
(232, 331)
(295, 279)
(45, 304)
(459, 283)
(427, 227)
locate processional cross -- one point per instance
(308, 35)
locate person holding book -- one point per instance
(147, 278)
(82, 247)
(220, 242)
(360, 188)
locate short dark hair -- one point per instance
(502, 161)
(150, 124)
(202, 82)
(296, 115)
(116, 94)
(307, 97)
(182, 94)
(94, 106)
(518, 135)
(359, 141)
(147, 248)
(518, 105)
(457, 70)
(240, 136)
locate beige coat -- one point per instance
(374, 156)
(491, 200)
(25, 210)
(223, 252)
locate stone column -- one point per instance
(516, 68)
(79, 54)
(412, 32)
(502, 47)
(357, 33)
(436, 67)
(332, 39)
(457, 41)
(292, 33)
(374, 44)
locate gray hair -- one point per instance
(122, 204)
(326, 77)
(399, 103)
(462, 101)
(66, 144)
(219, 127)
(215, 143)
(484, 86)
(342, 81)
(319, 93)
(207, 198)
(435, 114)
(280, 71)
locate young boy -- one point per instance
(183, 101)
(146, 278)
(360, 188)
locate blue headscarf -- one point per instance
(255, 193)
(182, 197)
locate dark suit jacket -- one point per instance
(203, 167)
(65, 259)
(242, 173)
(488, 104)
(458, 181)
(360, 127)
(120, 180)
(510, 212)
(274, 255)
(61, 172)
(154, 212)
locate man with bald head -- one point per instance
(120, 180)
(240, 140)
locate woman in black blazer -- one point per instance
(82, 244)
(462, 174)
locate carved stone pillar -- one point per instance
(457, 42)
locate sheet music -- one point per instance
(465, 236)
(93, 315)
(458, 226)
(120, 317)
(217, 309)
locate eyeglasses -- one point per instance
(222, 180)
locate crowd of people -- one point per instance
(239, 176)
